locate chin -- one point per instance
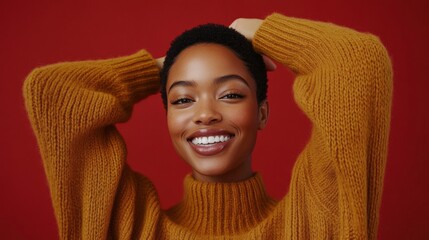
(211, 169)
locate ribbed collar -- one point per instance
(222, 208)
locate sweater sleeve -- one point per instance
(73, 107)
(344, 85)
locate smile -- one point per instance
(207, 140)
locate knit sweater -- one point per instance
(343, 84)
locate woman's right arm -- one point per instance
(73, 107)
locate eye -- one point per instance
(181, 101)
(232, 96)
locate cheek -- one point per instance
(177, 122)
(245, 118)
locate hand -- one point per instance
(160, 62)
(248, 27)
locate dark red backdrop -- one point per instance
(43, 32)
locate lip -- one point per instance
(210, 149)
(204, 132)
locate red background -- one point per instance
(42, 32)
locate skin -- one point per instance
(198, 100)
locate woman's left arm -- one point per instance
(344, 85)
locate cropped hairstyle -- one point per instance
(227, 37)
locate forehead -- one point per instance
(205, 62)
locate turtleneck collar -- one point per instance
(222, 208)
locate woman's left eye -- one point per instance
(232, 96)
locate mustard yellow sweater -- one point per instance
(343, 84)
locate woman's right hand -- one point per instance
(160, 62)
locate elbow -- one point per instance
(33, 87)
(30, 87)
(370, 62)
(375, 71)
(33, 94)
(380, 64)
(42, 82)
(37, 90)
(379, 54)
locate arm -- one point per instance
(344, 85)
(73, 108)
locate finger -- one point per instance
(234, 24)
(160, 62)
(269, 64)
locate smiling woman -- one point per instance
(219, 101)
(214, 88)
(214, 91)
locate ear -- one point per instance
(263, 113)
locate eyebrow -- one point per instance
(230, 77)
(217, 81)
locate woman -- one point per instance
(215, 105)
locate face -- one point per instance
(213, 115)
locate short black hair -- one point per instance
(222, 35)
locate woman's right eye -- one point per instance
(181, 101)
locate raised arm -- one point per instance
(344, 85)
(73, 107)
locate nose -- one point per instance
(206, 113)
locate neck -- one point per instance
(222, 208)
(238, 174)
(225, 178)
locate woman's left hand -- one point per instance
(248, 27)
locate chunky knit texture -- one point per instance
(343, 84)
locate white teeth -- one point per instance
(209, 140)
